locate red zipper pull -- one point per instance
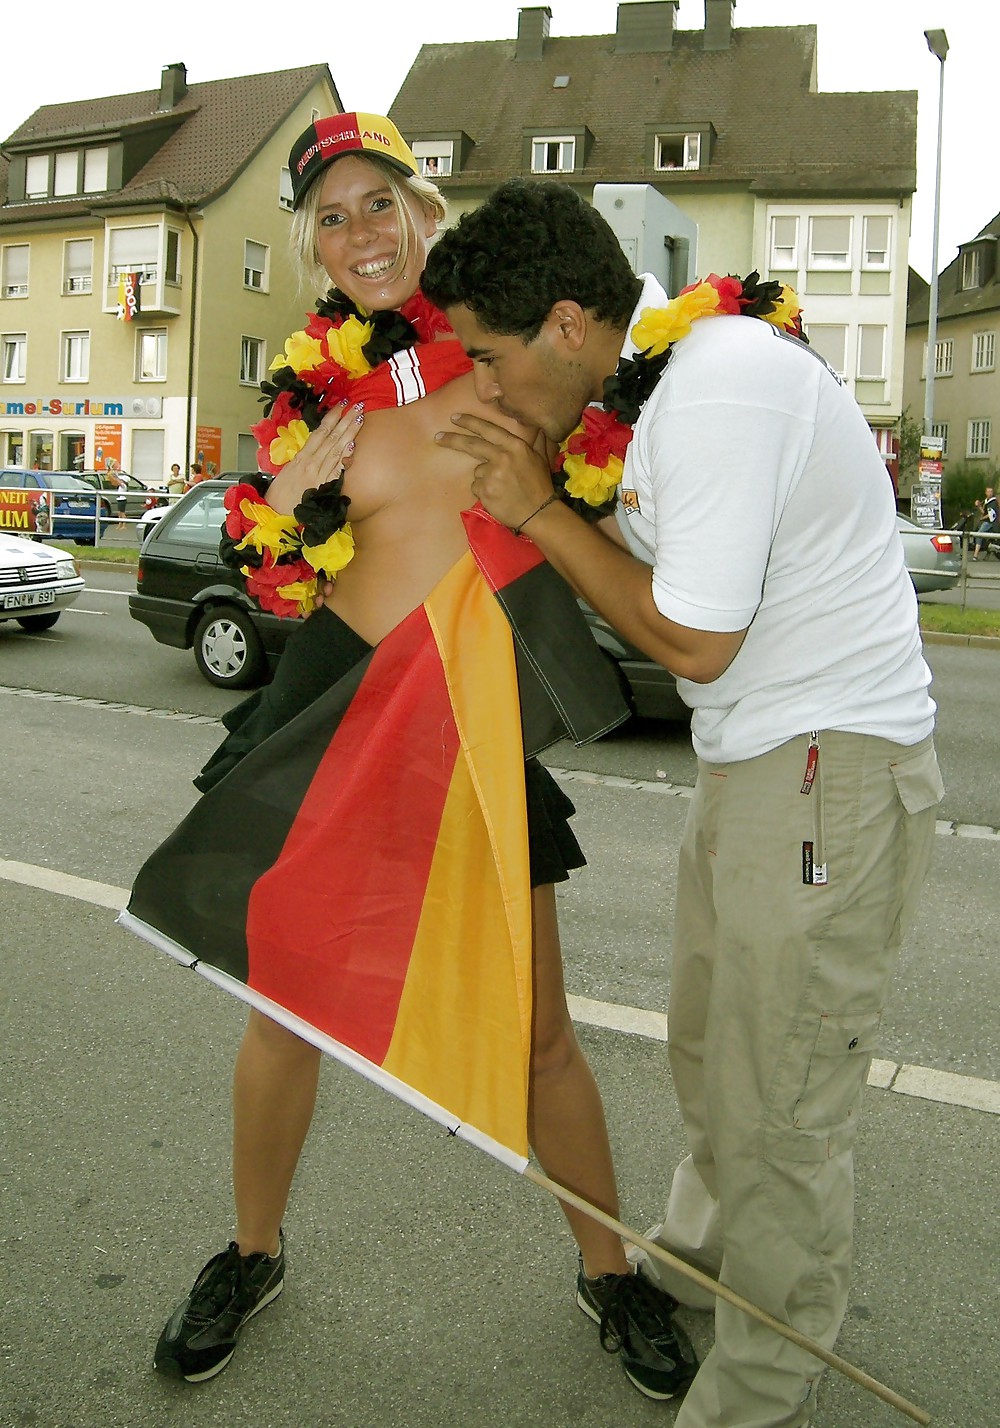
(812, 762)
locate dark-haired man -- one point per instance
(812, 819)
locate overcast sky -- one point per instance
(104, 48)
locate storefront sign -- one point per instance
(151, 407)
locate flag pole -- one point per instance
(722, 1291)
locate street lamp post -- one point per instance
(937, 43)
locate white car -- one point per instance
(36, 582)
(148, 520)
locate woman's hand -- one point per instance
(328, 452)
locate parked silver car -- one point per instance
(933, 560)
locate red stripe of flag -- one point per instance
(335, 950)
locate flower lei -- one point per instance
(282, 557)
(592, 457)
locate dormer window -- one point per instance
(553, 154)
(971, 276)
(66, 173)
(434, 157)
(678, 151)
(36, 176)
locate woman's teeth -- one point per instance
(374, 270)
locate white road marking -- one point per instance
(943, 1087)
(81, 610)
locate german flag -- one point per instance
(363, 877)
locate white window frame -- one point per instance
(874, 255)
(828, 258)
(18, 289)
(441, 150)
(147, 267)
(566, 151)
(690, 151)
(971, 270)
(978, 440)
(984, 346)
(785, 256)
(865, 342)
(66, 173)
(172, 261)
(285, 189)
(253, 356)
(77, 281)
(251, 270)
(13, 357)
(944, 357)
(70, 344)
(95, 170)
(939, 432)
(814, 333)
(155, 338)
(33, 165)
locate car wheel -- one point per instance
(227, 648)
(37, 622)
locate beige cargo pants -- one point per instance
(790, 910)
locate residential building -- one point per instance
(966, 415)
(144, 273)
(728, 123)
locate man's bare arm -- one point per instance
(512, 482)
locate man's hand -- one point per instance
(512, 479)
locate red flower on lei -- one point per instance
(603, 435)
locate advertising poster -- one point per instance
(925, 499)
(18, 511)
(107, 445)
(208, 441)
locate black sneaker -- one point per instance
(200, 1336)
(636, 1321)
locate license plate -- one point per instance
(79, 505)
(23, 600)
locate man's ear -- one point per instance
(567, 325)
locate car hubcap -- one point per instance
(224, 648)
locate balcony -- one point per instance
(159, 296)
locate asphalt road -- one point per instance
(426, 1283)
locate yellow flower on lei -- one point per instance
(301, 352)
(289, 442)
(301, 591)
(659, 327)
(336, 551)
(272, 531)
(593, 484)
(344, 344)
(787, 309)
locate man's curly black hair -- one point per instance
(529, 246)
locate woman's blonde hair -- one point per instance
(305, 220)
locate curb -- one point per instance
(937, 637)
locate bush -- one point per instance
(963, 485)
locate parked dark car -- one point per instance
(189, 599)
(137, 496)
(50, 503)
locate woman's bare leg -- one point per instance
(274, 1092)
(565, 1116)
